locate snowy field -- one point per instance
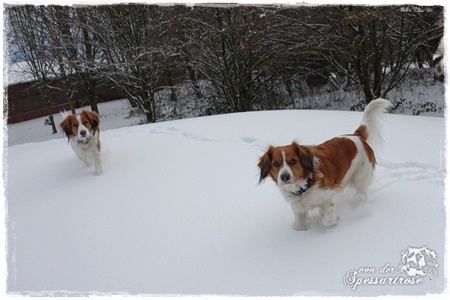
(178, 210)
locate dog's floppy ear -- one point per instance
(66, 125)
(93, 119)
(264, 164)
(305, 156)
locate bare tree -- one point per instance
(85, 43)
(131, 39)
(231, 52)
(58, 24)
(371, 46)
(32, 42)
(251, 56)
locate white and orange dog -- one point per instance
(312, 177)
(83, 133)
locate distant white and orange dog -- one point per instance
(312, 177)
(83, 133)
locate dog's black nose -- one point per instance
(285, 177)
(83, 132)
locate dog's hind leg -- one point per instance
(361, 184)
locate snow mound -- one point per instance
(178, 211)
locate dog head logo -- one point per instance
(419, 262)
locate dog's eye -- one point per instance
(292, 162)
(74, 125)
(85, 122)
(276, 164)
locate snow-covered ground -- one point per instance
(178, 210)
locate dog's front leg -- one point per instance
(301, 216)
(98, 162)
(329, 217)
(82, 155)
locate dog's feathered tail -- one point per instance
(370, 125)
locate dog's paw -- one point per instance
(330, 222)
(300, 227)
(358, 201)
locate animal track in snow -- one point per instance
(253, 142)
(178, 131)
(389, 173)
(172, 130)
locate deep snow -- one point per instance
(178, 211)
